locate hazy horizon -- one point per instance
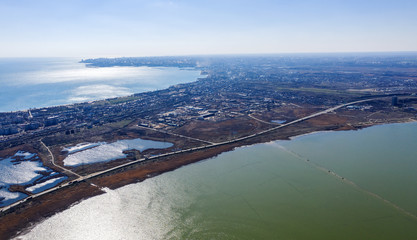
(364, 53)
(128, 28)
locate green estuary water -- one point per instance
(277, 190)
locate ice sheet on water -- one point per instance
(18, 172)
(9, 197)
(45, 185)
(278, 121)
(112, 151)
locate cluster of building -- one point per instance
(233, 86)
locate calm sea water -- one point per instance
(41, 82)
(277, 190)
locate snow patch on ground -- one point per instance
(112, 151)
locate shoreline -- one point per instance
(24, 218)
(329, 131)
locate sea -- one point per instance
(328, 185)
(43, 82)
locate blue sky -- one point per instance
(104, 28)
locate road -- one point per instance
(211, 145)
(56, 165)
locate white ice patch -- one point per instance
(45, 185)
(278, 121)
(81, 146)
(112, 151)
(19, 172)
(9, 197)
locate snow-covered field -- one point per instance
(111, 151)
(22, 168)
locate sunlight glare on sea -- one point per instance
(265, 191)
(43, 82)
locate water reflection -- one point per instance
(257, 192)
(29, 83)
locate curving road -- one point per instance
(56, 165)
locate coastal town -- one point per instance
(228, 88)
(237, 101)
(180, 119)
